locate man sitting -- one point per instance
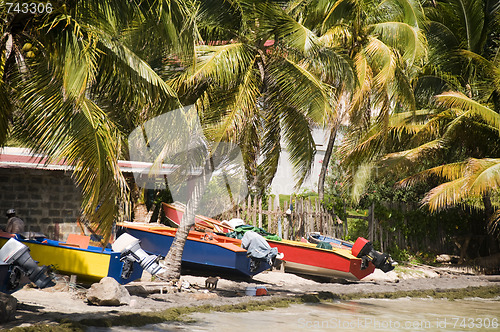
(14, 224)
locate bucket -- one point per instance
(251, 291)
(256, 291)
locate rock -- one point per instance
(8, 305)
(380, 276)
(108, 292)
(444, 258)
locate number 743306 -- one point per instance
(29, 7)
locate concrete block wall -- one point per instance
(47, 200)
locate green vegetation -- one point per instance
(411, 87)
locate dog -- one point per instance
(211, 283)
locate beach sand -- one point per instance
(68, 301)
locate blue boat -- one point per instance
(202, 251)
(89, 263)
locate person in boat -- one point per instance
(14, 223)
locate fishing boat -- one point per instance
(202, 251)
(353, 263)
(316, 237)
(173, 213)
(76, 257)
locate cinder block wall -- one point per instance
(47, 201)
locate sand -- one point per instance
(68, 301)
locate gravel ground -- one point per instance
(64, 300)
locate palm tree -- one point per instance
(257, 82)
(453, 139)
(475, 179)
(384, 40)
(67, 78)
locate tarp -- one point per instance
(240, 231)
(258, 248)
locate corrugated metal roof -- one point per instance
(24, 158)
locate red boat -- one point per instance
(174, 212)
(304, 258)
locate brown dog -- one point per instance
(211, 283)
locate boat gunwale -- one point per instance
(226, 240)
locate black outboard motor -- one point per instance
(363, 249)
(18, 256)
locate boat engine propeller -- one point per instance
(363, 249)
(131, 252)
(18, 256)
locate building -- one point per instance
(284, 182)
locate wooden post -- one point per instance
(247, 214)
(381, 237)
(371, 220)
(286, 222)
(260, 211)
(254, 211)
(269, 210)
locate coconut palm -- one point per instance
(253, 85)
(453, 64)
(384, 40)
(257, 80)
(474, 179)
(69, 75)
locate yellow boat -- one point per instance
(77, 257)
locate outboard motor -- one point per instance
(17, 255)
(131, 250)
(363, 249)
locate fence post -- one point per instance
(286, 222)
(260, 211)
(269, 214)
(278, 216)
(254, 211)
(371, 220)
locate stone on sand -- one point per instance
(8, 305)
(108, 292)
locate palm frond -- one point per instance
(410, 41)
(382, 59)
(483, 176)
(299, 89)
(241, 109)
(469, 106)
(449, 172)
(445, 195)
(223, 64)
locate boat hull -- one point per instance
(4, 277)
(89, 265)
(202, 251)
(174, 215)
(305, 258)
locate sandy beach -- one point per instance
(67, 301)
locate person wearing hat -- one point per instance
(14, 224)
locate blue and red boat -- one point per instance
(202, 251)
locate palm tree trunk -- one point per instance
(492, 242)
(326, 161)
(174, 257)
